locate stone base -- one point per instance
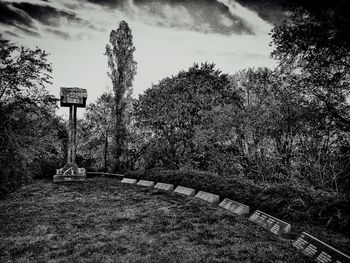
(69, 178)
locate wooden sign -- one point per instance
(185, 191)
(162, 186)
(146, 183)
(319, 251)
(211, 198)
(273, 224)
(234, 207)
(73, 96)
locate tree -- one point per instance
(120, 53)
(175, 106)
(30, 130)
(97, 131)
(22, 70)
(313, 42)
(313, 45)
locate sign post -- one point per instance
(73, 98)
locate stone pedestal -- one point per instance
(70, 174)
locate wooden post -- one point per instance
(73, 98)
(70, 137)
(74, 134)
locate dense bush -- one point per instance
(293, 203)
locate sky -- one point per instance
(169, 36)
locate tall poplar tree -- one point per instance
(120, 53)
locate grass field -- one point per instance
(102, 220)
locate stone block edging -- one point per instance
(209, 197)
(163, 186)
(129, 181)
(234, 207)
(270, 223)
(318, 250)
(185, 190)
(308, 245)
(145, 183)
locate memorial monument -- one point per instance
(73, 98)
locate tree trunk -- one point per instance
(106, 153)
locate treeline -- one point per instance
(256, 123)
(32, 136)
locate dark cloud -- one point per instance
(48, 15)
(208, 15)
(23, 14)
(108, 3)
(273, 11)
(12, 16)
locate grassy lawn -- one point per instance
(102, 220)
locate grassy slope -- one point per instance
(102, 220)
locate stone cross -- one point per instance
(73, 98)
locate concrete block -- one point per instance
(211, 198)
(162, 186)
(185, 190)
(234, 207)
(129, 181)
(270, 223)
(146, 183)
(319, 251)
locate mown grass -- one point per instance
(102, 220)
(296, 205)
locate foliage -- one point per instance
(96, 133)
(30, 131)
(174, 107)
(22, 70)
(314, 46)
(120, 53)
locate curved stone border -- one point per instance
(306, 243)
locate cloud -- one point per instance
(12, 16)
(59, 33)
(49, 15)
(206, 16)
(26, 17)
(224, 17)
(273, 11)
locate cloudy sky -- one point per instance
(169, 35)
